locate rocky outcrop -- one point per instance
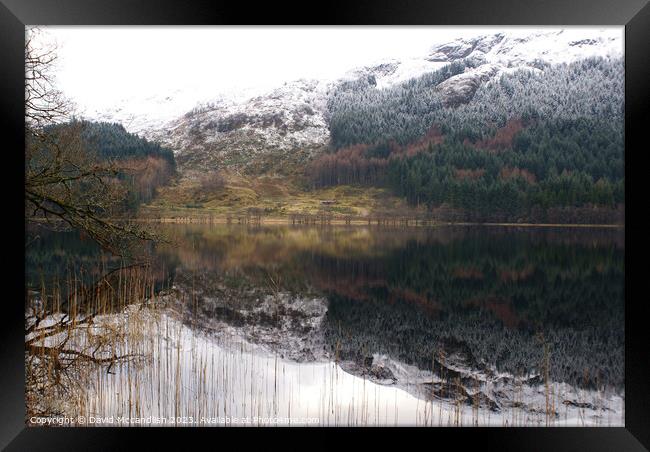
(460, 88)
(521, 47)
(462, 48)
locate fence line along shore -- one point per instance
(308, 219)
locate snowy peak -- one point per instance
(522, 47)
(392, 72)
(462, 48)
(239, 127)
(491, 55)
(290, 108)
(143, 115)
(516, 48)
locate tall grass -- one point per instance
(115, 349)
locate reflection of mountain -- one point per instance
(481, 295)
(412, 293)
(489, 297)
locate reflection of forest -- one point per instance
(488, 297)
(486, 293)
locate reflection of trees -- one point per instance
(492, 296)
(413, 292)
(222, 247)
(58, 255)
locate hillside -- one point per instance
(295, 118)
(142, 166)
(531, 141)
(501, 127)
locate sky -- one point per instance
(99, 64)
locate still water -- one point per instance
(370, 325)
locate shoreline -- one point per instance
(321, 221)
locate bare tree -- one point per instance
(65, 182)
(44, 104)
(68, 186)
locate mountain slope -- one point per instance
(291, 123)
(253, 132)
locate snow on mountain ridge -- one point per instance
(238, 127)
(513, 48)
(287, 118)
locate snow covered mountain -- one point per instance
(494, 55)
(289, 118)
(238, 128)
(508, 49)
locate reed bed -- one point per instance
(114, 354)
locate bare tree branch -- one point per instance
(65, 182)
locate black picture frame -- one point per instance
(15, 14)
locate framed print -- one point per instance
(398, 217)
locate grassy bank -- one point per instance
(240, 199)
(271, 196)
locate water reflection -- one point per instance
(463, 303)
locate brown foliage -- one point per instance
(147, 173)
(500, 307)
(347, 166)
(352, 165)
(503, 137)
(432, 137)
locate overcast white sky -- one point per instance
(98, 64)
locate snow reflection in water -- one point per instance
(208, 382)
(193, 379)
